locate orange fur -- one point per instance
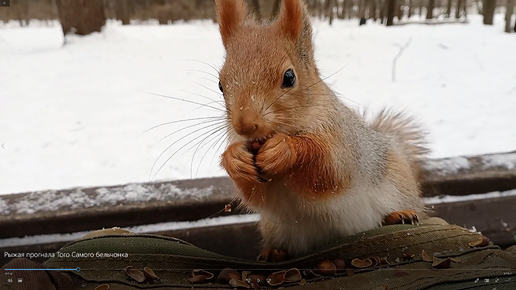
(325, 168)
(290, 21)
(239, 165)
(230, 16)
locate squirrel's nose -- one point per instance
(245, 128)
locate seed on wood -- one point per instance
(276, 278)
(340, 265)
(456, 260)
(384, 261)
(309, 274)
(149, 273)
(481, 242)
(102, 287)
(408, 257)
(227, 274)
(350, 272)
(375, 260)
(135, 274)
(302, 282)
(244, 275)
(326, 268)
(238, 283)
(227, 208)
(362, 263)
(197, 279)
(292, 275)
(425, 257)
(200, 272)
(441, 264)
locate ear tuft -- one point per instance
(291, 19)
(230, 15)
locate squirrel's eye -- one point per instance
(289, 79)
(220, 87)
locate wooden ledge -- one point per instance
(85, 209)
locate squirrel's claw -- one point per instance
(272, 255)
(401, 217)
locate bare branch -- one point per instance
(400, 53)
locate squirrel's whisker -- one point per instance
(170, 146)
(207, 123)
(187, 101)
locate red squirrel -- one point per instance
(314, 169)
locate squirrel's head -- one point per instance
(269, 77)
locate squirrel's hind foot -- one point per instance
(401, 217)
(272, 255)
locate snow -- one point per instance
(457, 198)
(77, 115)
(447, 166)
(52, 200)
(508, 161)
(170, 226)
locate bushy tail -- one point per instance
(406, 132)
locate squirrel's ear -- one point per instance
(291, 19)
(230, 15)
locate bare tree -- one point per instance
(81, 16)
(391, 9)
(430, 9)
(458, 8)
(372, 10)
(489, 7)
(361, 11)
(448, 8)
(123, 10)
(330, 5)
(508, 16)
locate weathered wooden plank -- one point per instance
(466, 175)
(494, 217)
(82, 209)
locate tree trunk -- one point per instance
(349, 8)
(361, 11)
(410, 8)
(330, 10)
(341, 9)
(391, 10)
(122, 10)
(372, 10)
(448, 8)
(489, 9)
(81, 17)
(421, 8)
(430, 9)
(508, 15)
(458, 8)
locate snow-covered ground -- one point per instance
(77, 115)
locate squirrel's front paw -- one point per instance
(276, 156)
(238, 162)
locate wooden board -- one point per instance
(84, 209)
(493, 217)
